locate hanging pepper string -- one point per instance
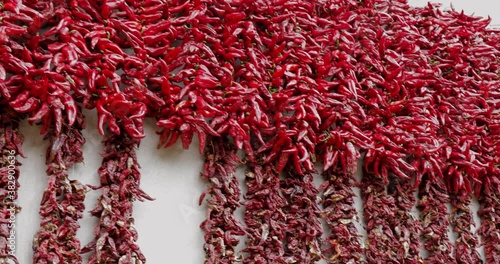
(407, 228)
(377, 210)
(264, 216)
(62, 202)
(222, 229)
(344, 242)
(116, 235)
(489, 202)
(122, 103)
(11, 141)
(304, 230)
(434, 219)
(462, 222)
(56, 90)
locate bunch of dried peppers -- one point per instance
(411, 95)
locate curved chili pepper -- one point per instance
(132, 129)
(28, 106)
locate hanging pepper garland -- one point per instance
(412, 93)
(222, 229)
(52, 102)
(10, 146)
(121, 105)
(62, 202)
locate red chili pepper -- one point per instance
(28, 106)
(21, 98)
(58, 119)
(131, 128)
(70, 107)
(186, 135)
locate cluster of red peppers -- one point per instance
(411, 95)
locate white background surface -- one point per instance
(169, 226)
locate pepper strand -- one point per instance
(489, 206)
(62, 203)
(10, 147)
(304, 231)
(264, 216)
(488, 193)
(378, 208)
(463, 136)
(115, 236)
(461, 220)
(406, 228)
(433, 216)
(221, 227)
(344, 241)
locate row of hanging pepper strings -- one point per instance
(410, 244)
(407, 245)
(468, 66)
(49, 98)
